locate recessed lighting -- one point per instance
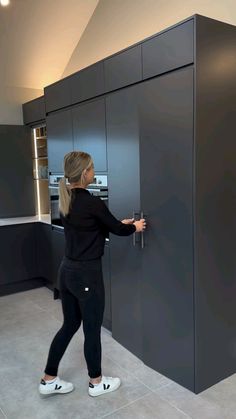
(4, 2)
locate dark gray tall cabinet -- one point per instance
(150, 126)
(166, 137)
(170, 147)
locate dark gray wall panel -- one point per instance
(57, 95)
(59, 138)
(215, 192)
(123, 68)
(16, 172)
(166, 158)
(89, 131)
(169, 50)
(34, 111)
(87, 83)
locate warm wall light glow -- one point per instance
(4, 2)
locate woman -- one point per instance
(86, 221)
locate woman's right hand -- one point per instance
(140, 225)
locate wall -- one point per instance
(11, 99)
(116, 24)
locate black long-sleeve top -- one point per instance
(87, 225)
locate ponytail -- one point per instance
(64, 197)
(75, 165)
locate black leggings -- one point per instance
(83, 298)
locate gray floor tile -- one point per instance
(18, 403)
(25, 324)
(175, 394)
(197, 408)
(28, 323)
(149, 407)
(2, 414)
(200, 405)
(223, 395)
(134, 365)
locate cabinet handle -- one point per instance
(142, 232)
(134, 234)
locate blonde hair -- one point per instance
(75, 165)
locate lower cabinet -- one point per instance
(18, 262)
(44, 251)
(58, 251)
(31, 257)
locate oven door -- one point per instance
(54, 207)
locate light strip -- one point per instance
(37, 172)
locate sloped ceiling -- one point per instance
(38, 37)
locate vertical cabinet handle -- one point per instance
(142, 215)
(142, 233)
(134, 234)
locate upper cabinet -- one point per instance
(60, 139)
(57, 95)
(168, 50)
(123, 68)
(90, 131)
(34, 111)
(87, 83)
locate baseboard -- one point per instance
(14, 287)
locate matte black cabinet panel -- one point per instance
(169, 50)
(166, 150)
(57, 95)
(44, 250)
(16, 172)
(34, 111)
(18, 253)
(58, 251)
(124, 197)
(107, 285)
(59, 139)
(90, 131)
(215, 191)
(87, 83)
(123, 68)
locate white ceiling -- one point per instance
(38, 37)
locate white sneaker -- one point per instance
(55, 386)
(107, 385)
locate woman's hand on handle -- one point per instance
(128, 221)
(140, 225)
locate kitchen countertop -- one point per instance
(44, 218)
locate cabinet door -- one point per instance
(34, 110)
(107, 286)
(44, 250)
(87, 83)
(124, 198)
(16, 180)
(18, 254)
(89, 132)
(58, 251)
(123, 68)
(59, 139)
(166, 168)
(168, 50)
(57, 95)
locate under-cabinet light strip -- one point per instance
(37, 172)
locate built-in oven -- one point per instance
(98, 187)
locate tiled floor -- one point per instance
(28, 322)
